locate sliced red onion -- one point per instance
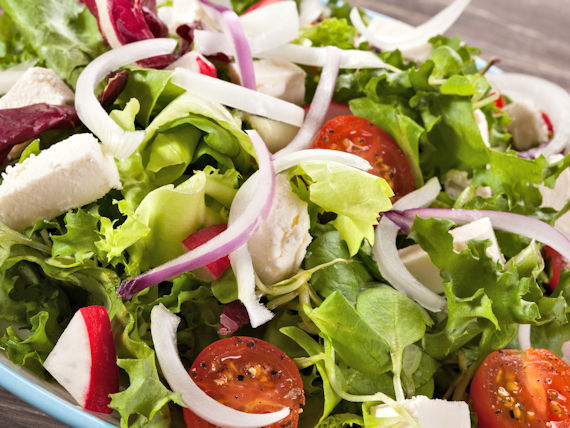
(524, 337)
(386, 253)
(239, 97)
(233, 317)
(163, 326)
(117, 141)
(419, 35)
(319, 106)
(235, 236)
(317, 57)
(505, 221)
(231, 26)
(549, 98)
(266, 28)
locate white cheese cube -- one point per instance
(278, 78)
(557, 197)
(279, 245)
(430, 413)
(527, 126)
(69, 174)
(37, 85)
(420, 266)
(566, 352)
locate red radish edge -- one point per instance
(103, 359)
(213, 270)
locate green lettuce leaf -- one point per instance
(355, 196)
(14, 49)
(63, 33)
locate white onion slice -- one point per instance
(310, 11)
(419, 35)
(9, 76)
(548, 97)
(236, 235)
(240, 259)
(319, 106)
(163, 326)
(389, 263)
(239, 97)
(524, 337)
(317, 57)
(324, 155)
(117, 141)
(505, 221)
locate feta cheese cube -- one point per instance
(275, 134)
(278, 78)
(430, 413)
(527, 127)
(558, 196)
(387, 27)
(37, 85)
(69, 174)
(279, 245)
(420, 266)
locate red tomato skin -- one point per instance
(557, 263)
(353, 134)
(522, 389)
(250, 375)
(500, 102)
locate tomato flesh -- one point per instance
(249, 375)
(557, 263)
(516, 389)
(353, 134)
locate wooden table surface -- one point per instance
(528, 36)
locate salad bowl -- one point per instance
(53, 399)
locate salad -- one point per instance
(280, 213)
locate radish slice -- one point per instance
(439, 24)
(319, 106)
(524, 337)
(233, 29)
(239, 97)
(235, 236)
(163, 326)
(317, 57)
(118, 142)
(549, 98)
(505, 221)
(386, 253)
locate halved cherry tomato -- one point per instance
(250, 375)
(500, 102)
(557, 263)
(357, 135)
(516, 389)
(259, 4)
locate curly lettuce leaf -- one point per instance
(355, 196)
(63, 33)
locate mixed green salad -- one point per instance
(356, 279)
